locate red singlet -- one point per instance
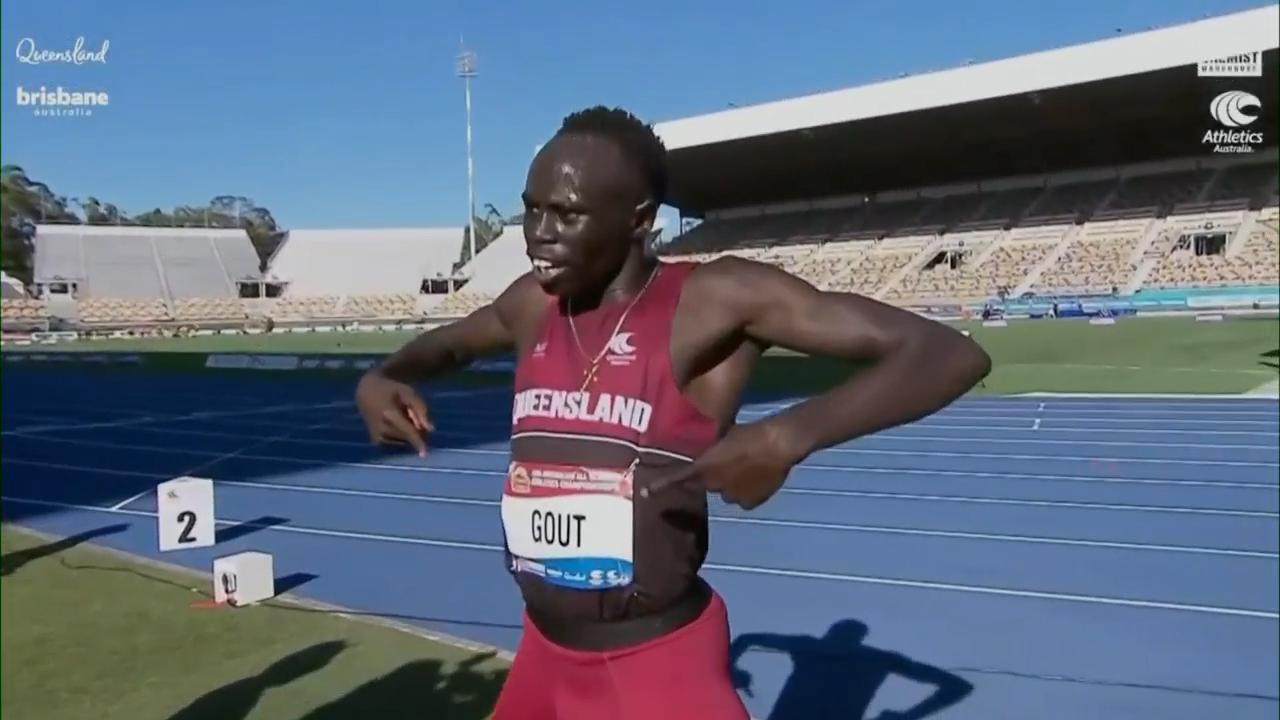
(597, 416)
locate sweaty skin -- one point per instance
(588, 214)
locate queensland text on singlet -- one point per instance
(607, 408)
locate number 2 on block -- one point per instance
(188, 519)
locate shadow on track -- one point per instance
(838, 675)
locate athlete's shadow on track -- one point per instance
(837, 676)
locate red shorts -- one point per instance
(683, 675)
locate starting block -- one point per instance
(243, 579)
(184, 513)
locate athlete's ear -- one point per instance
(645, 216)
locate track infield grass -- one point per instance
(93, 633)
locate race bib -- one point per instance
(570, 525)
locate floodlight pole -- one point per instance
(466, 71)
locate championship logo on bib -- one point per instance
(569, 524)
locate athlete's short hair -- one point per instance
(639, 143)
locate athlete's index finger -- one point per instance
(417, 411)
(407, 432)
(686, 474)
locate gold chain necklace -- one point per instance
(589, 374)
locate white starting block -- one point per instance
(243, 579)
(184, 512)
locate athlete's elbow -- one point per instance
(963, 361)
(951, 359)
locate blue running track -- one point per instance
(1066, 558)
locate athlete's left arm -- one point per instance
(913, 366)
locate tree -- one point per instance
(488, 229)
(27, 202)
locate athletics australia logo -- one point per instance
(1234, 110)
(621, 352)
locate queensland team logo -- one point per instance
(622, 349)
(518, 478)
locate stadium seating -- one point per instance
(123, 275)
(1099, 232)
(1100, 260)
(1082, 234)
(112, 311)
(212, 309)
(494, 268)
(359, 274)
(23, 310)
(1252, 255)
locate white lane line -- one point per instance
(838, 469)
(134, 498)
(1066, 597)
(199, 399)
(890, 436)
(745, 569)
(792, 490)
(1156, 413)
(837, 450)
(805, 466)
(847, 527)
(1072, 458)
(166, 418)
(1039, 503)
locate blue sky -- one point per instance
(351, 115)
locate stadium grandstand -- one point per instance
(383, 274)
(128, 279)
(1095, 173)
(1133, 173)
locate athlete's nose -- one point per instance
(539, 228)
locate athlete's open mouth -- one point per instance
(545, 269)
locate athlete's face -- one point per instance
(585, 209)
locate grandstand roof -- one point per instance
(1132, 98)
(364, 261)
(136, 261)
(10, 286)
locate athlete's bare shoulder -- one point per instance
(736, 290)
(775, 308)
(520, 307)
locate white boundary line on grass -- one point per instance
(744, 569)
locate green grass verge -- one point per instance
(1136, 355)
(1172, 354)
(89, 633)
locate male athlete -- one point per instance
(627, 384)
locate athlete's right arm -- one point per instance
(392, 410)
